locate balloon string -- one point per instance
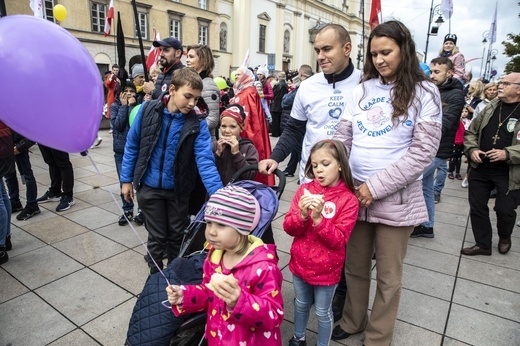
(129, 223)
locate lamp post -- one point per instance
(432, 31)
(485, 34)
(490, 55)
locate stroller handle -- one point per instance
(281, 178)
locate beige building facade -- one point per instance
(277, 32)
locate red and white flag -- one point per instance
(153, 54)
(36, 7)
(109, 17)
(374, 13)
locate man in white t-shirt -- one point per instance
(320, 101)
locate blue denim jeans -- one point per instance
(440, 177)
(5, 214)
(428, 189)
(323, 295)
(127, 206)
(24, 167)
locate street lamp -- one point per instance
(491, 54)
(485, 34)
(433, 30)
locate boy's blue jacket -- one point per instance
(166, 151)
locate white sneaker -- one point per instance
(464, 182)
(98, 141)
(111, 131)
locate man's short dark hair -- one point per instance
(115, 66)
(443, 61)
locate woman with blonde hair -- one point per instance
(474, 91)
(489, 93)
(450, 50)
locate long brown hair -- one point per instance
(339, 153)
(408, 73)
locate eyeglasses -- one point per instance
(504, 83)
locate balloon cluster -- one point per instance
(55, 93)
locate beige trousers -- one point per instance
(390, 244)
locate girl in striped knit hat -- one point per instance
(241, 287)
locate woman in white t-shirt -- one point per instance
(391, 128)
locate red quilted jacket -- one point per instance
(318, 253)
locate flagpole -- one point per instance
(138, 27)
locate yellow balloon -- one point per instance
(60, 12)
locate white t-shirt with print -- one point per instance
(322, 106)
(377, 141)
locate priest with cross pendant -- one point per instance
(492, 144)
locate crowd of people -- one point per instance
(374, 149)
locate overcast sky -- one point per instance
(470, 19)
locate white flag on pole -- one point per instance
(493, 27)
(36, 7)
(447, 8)
(246, 60)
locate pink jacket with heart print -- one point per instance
(318, 252)
(258, 314)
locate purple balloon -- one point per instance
(52, 91)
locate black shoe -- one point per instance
(139, 218)
(436, 198)
(287, 174)
(28, 212)
(421, 231)
(296, 342)
(4, 257)
(339, 334)
(337, 307)
(65, 203)
(48, 197)
(123, 221)
(8, 244)
(15, 207)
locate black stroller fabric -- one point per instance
(151, 322)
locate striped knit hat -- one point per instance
(235, 207)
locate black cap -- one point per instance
(169, 42)
(451, 37)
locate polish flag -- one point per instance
(374, 13)
(153, 54)
(109, 17)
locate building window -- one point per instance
(202, 4)
(223, 37)
(98, 13)
(48, 5)
(261, 43)
(143, 24)
(203, 33)
(175, 27)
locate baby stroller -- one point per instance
(190, 331)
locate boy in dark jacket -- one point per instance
(167, 147)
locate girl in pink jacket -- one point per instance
(241, 289)
(321, 218)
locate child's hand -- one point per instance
(123, 99)
(317, 207)
(127, 190)
(132, 101)
(227, 289)
(175, 294)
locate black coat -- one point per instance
(453, 102)
(279, 90)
